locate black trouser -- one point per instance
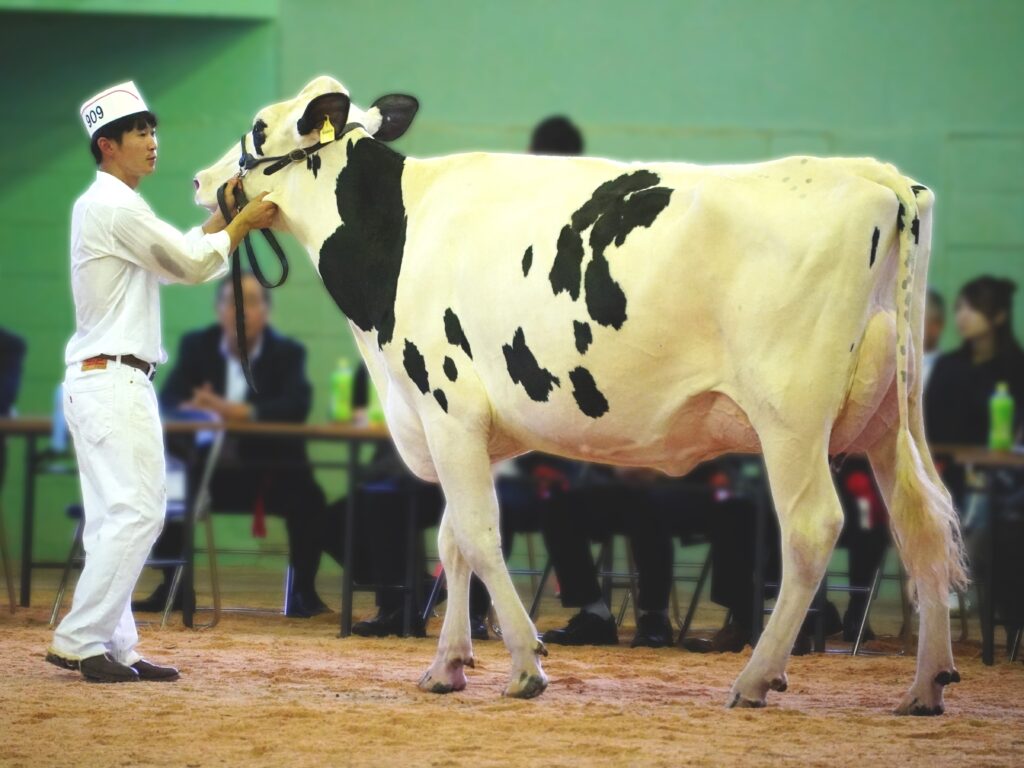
(381, 554)
(593, 513)
(289, 493)
(733, 528)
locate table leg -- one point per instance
(28, 511)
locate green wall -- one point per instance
(933, 86)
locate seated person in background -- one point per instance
(641, 503)
(732, 526)
(382, 505)
(259, 474)
(12, 357)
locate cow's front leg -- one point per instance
(810, 518)
(464, 469)
(455, 647)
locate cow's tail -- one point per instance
(925, 524)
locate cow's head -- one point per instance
(296, 124)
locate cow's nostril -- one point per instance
(195, 182)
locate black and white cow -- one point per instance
(654, 314)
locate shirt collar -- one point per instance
(254, 353)
(114, 184)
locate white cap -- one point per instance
(110, 104)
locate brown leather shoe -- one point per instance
(147, 670)
(103, 669)
(729, 639)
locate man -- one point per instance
(120, 252)
(258, 474)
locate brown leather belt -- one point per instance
(137, 363)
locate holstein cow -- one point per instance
(646, 314)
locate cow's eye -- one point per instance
(259, 135)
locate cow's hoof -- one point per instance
(540, 649)
(945, 678)
(527, 686)
(927, 704)
(780, 683)
(451, 677)
(739, 701)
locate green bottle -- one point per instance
(375, 412)
(1000, 408)
(341, 391)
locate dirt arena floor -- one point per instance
(263, 690)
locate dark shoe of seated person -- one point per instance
(585, 628)
(388, 623)
(653, 630)
(103, 669)
(732, 638)
(478, 627)
(158, 599)
(851, 625)
(304, 605)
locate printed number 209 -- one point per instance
(93, 116)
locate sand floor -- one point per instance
(263, 690)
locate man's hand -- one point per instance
(216, 221)
(205, 399)
(257, 214)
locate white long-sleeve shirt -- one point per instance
(120, 253)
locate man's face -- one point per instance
(257, 313)
(136, 153)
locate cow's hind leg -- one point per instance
(455, 647)
(464, 469)
(810, 518)
(930, 555)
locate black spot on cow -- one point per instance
(450, 370)
(623, 215)
(361, 261)
(441, 400)
(610, 193)
(584, 336)
(453, 331)
(874, 246)
(567, 268)
(606, 301)
(899, 217)
(527, 261)
(415, 366)
(524, 369)
(917, 188)
(313, 164)
(588, 396)
(915, 229)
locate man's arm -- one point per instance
(192, 257)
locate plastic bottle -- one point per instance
(1000, 409)
(341, 391)
(375, 411)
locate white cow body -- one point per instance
(762, 314)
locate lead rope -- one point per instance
(236, 275)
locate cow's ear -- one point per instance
(332, 105)
(396, 113)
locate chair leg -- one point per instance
(872, 594)
(540, 589)
(633, 592)
(428, 609)
(8, 578)
(76, 552)
(171, 594)
(1015, 649)
(289, 583)
(697, 591)
(211, 557)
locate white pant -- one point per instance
(113, 418)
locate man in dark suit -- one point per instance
(267, 476)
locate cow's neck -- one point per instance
(360, 259)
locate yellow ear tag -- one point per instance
(327, 131)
